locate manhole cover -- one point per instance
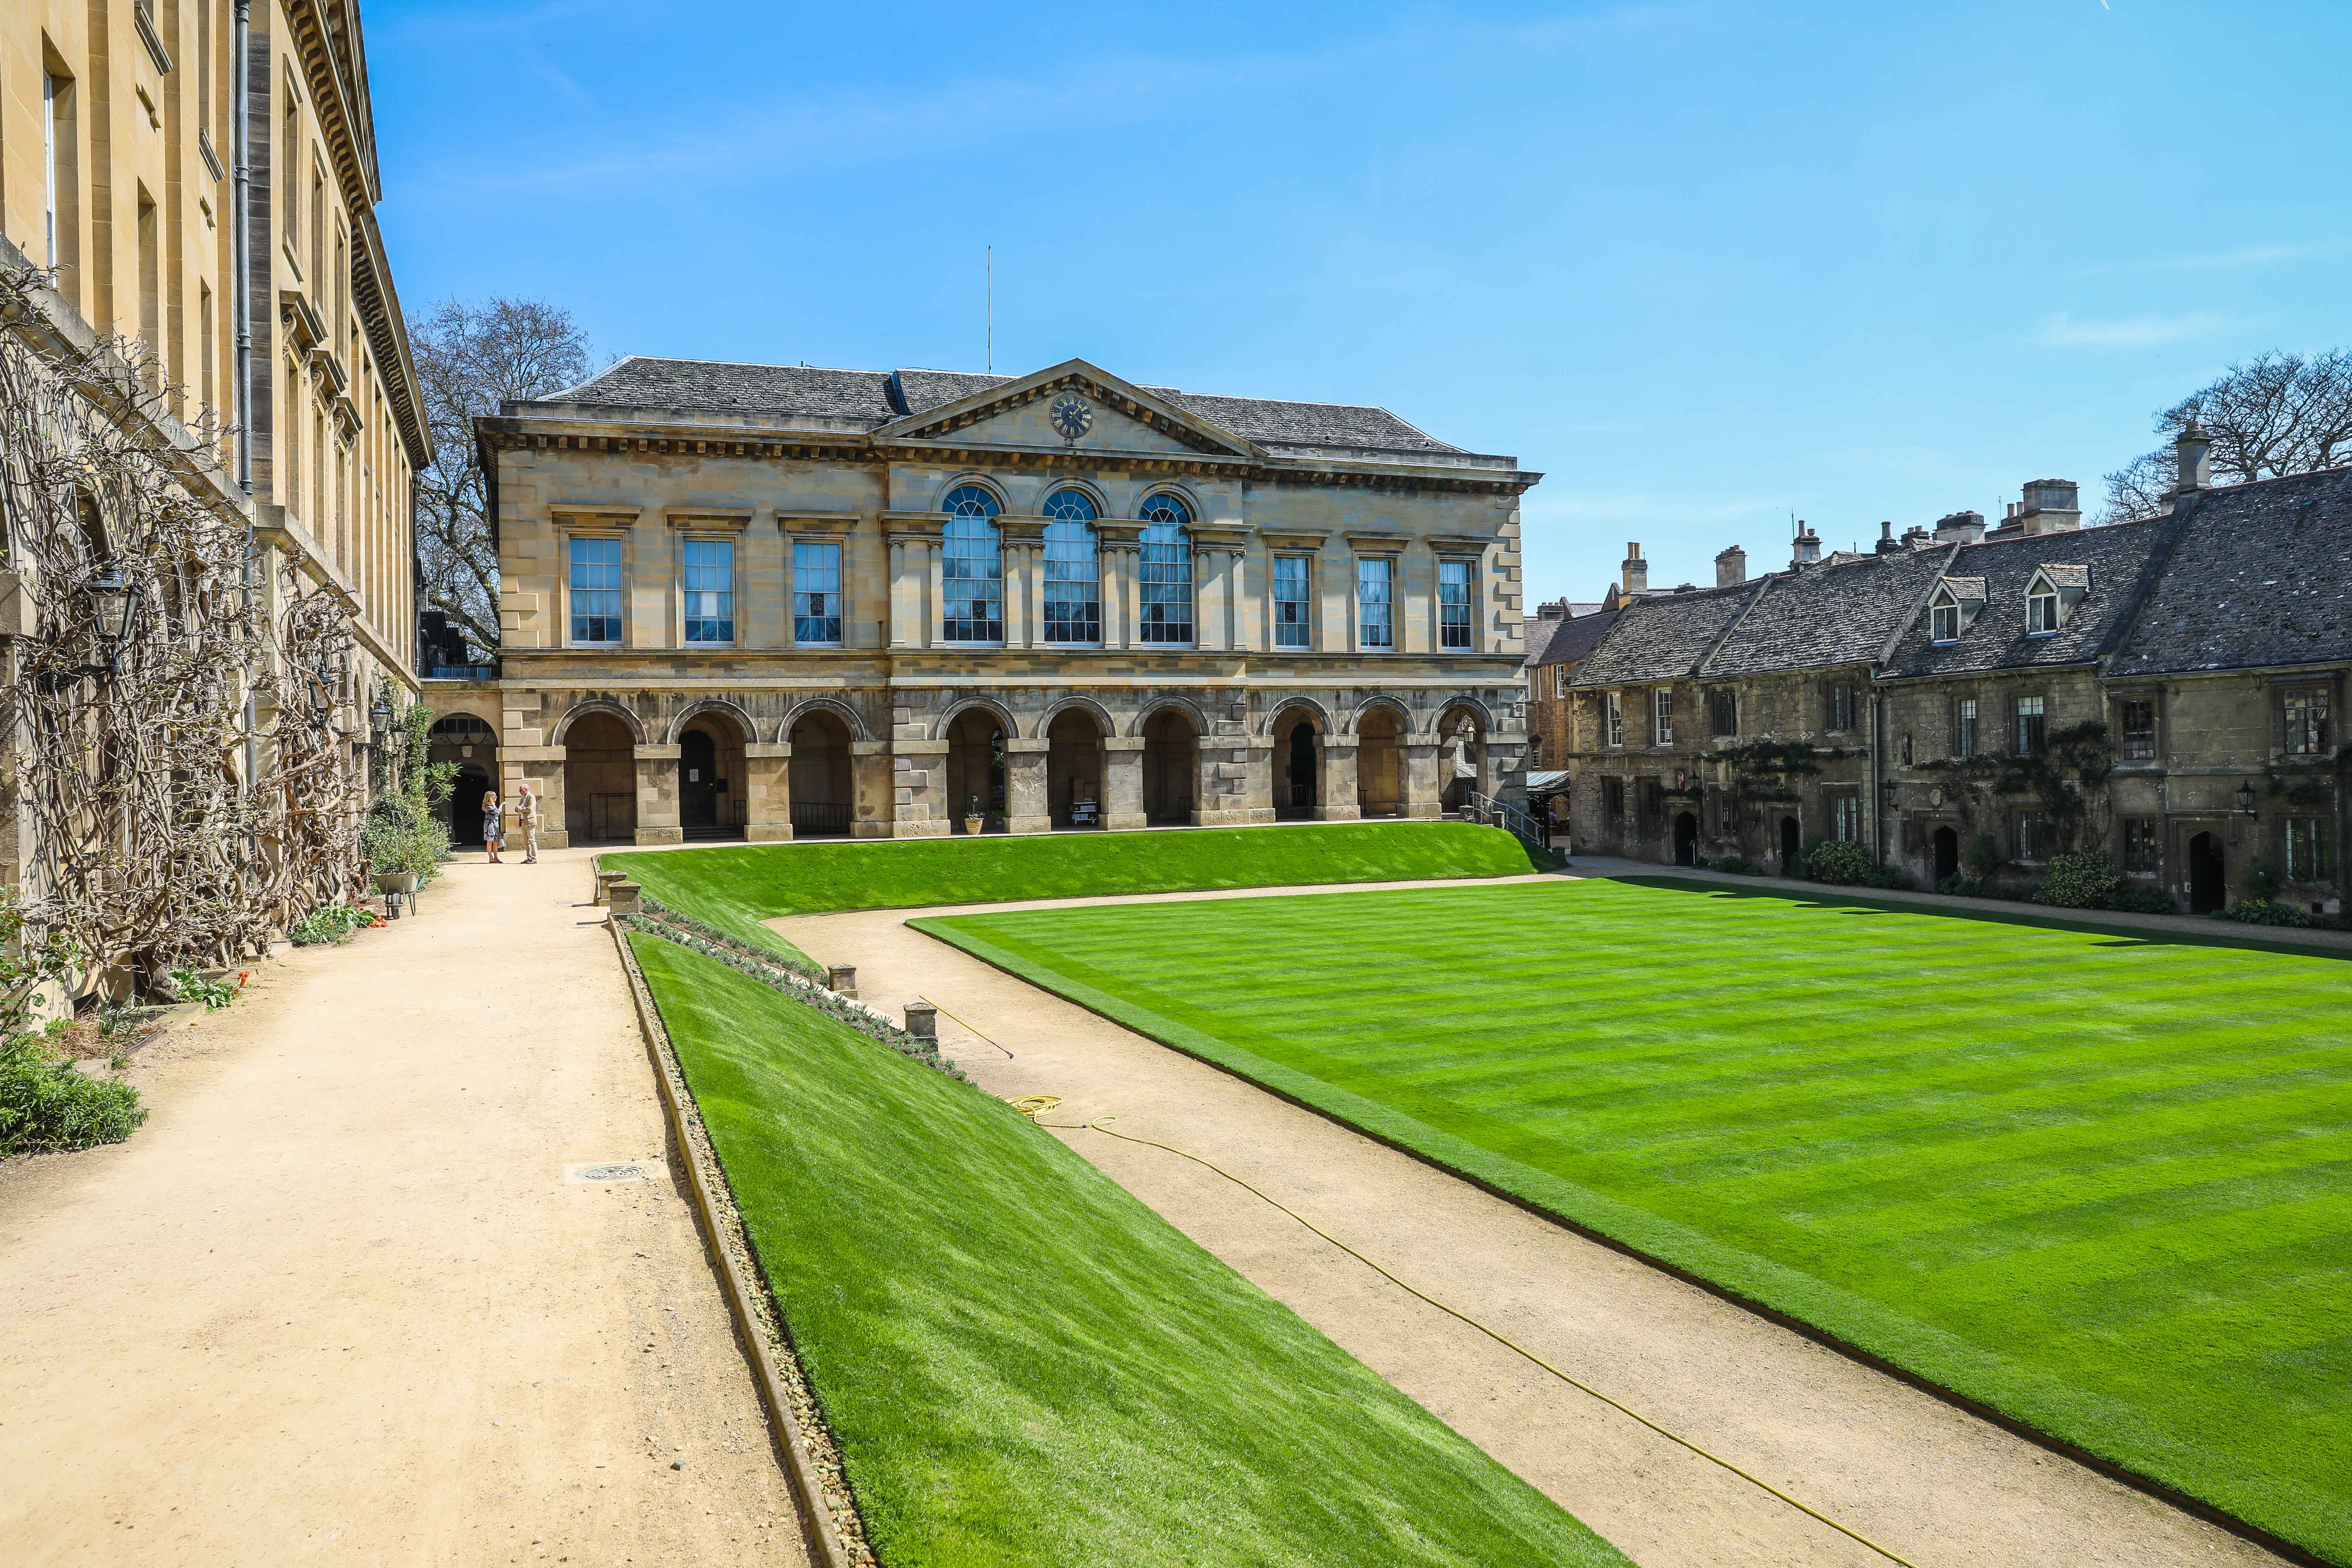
(616, 1172)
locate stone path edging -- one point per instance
(823, 1507)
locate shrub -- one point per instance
(1983, 857)
(1740, 866)
(2265, 912)
(1888, 877)
(330, 923)
(191, 987)
(2086, 880)
(403, 838)
(2261, 883)
(1960, 885)
(45, 1105)
(1843, 864)
(2142, 900)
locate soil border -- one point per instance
(812, 1459)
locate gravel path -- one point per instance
(1932, 1483)
(342, 1298)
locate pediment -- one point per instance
(1119, 417)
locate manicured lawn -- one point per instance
(735, 888)
(2102, 1183)
(1023, 1366)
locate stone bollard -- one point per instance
(843, 977)
(604, 880)
(922, 1021)
(625, 896)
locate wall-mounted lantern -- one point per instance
(2246, 799)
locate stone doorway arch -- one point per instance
(1172, 767)
(976, 739)
(600, 781)
(1946, 846)
(1299, 766)
(822, 795)
(1380, 763)
(1073, 769)
(1460, 760)
(711, 795)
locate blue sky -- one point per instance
(1703, 265)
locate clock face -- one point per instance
(1073, 415)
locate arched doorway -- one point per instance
(1945, 844)
(465, 807)
(1380, 763)
(467, 741)
(600, 781)
(1460, 760)
(975, 769)
(1172, 766)
(1074, 770)
(1793, 846)
(2208, 880)
(710, 795)
(1297, 755)
(1686, 838)
(822, 795)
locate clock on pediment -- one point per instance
(1072, 416)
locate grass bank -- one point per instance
(1026, 1366)
(2095, 1181)
(737, 888)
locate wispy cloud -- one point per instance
(2064, 332)
(2228, 260)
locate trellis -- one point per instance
(185, 790)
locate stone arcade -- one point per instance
(772, 601)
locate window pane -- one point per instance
(1454, 603)
(1290, 579)
(1166, 589)
(1967, 725)
(595, 590)
(1664, 733)
(2028, 726)
(1373, 613)
(816, 593)
(709, 590)
(971, 568)
(1073, 581)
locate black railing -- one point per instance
(816, 818)
(461, 672)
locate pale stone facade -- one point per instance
(1274, 609)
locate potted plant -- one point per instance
(973, 819)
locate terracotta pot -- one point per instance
(973, 825)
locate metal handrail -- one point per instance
(1510, 818)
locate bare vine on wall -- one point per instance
(140, 838)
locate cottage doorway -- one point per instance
(1947, 847)
(465, 805)
(1792, 846)
(2208, 883)
(1686, 838)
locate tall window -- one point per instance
(1291, 582)
(1963, 727)
(1612, 718)
(2029, 727)
(1167, 585)
(972, 574)
(2143, 844)
(1375, 615)
(2033, 838)
(1560, 682)
(1072, 583)
(1846, 813)
(1662, 716)
(1841, 707)
(52, 111)
(595, 590)
(1945, 621)
(2042, 612)
(2306, 723)
(1723, 710)
(2138, 717)
(291, 136)
(816, 593)
(1454, 603)
(2307, 850)
(709, 590)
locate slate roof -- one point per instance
(1663, 636)
(2119, 560)
(2064, 575)
(1535, 636)
(1574, 638)
(864, 399)
(1841, 613)
(2260, 575)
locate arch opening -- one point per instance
(1380, 763)
(600, 781)
(1298, 750)
(822, 799)
(710, 765)
(1073, 769)
(975, 770)
(1172, 767)
(1461, 758)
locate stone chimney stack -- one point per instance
(2051, 506)
(1887, 544)
(1915, 538)
(1959, 527)
(1808, 545)
(2192, 454)
(1731, 568)
(1636, 578)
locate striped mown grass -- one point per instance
(2100, 1182)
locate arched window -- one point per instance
(1167, 570)
(464, 727)
(973, 567)
(1073, 584)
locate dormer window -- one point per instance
(2052, 592)
(2041, 613)
(1944, 617)
(1950, 608)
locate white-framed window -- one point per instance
(1166, 587)
(2307, 849)
(1662, 716)
(1375, 611)
(1073, 581)
(2139, 724)
(971, 564)
(1293, 581)
(1841, 707)
(1944, 620)
(2306, 722)
(709, 591)
(595, 591)
(1559, 683)
(53, 93)
(1612, 718)
(1845, 817)
(816, 593)
(1963, 727)
(2032, 727)
(2042, 611)
(1453, 605)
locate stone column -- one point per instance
(872, 782)
(1026, 808)
(1236, 622)
(1122, 781)
(657, 795)
(1424, 788)
(902, 614)
(935, 608)
(1339, 803)
(768, 791)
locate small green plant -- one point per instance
(47, 1106)
(1843, 864)
(1888, 877)
(2261, 883)
(330, 923)
(2085, 880)
(2142, 901)
(1983, 857)
(2265, 913)
(1740, 866)
(191, 987)
(1960, 885)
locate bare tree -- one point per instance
(2278, 414)
(470, 359)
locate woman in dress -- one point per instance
(493, 828)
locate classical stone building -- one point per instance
(769, 601)
(2170, 690)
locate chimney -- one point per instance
(2192, 454)
(1886, 543)
(1556, 610)
(1731, 568)
(2051, 506)
(1915, 538)
(1959, 527)
(1808, 545)
(1636, 571)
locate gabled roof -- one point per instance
(990, 398)
(2118, 560)
(1663, 636)
(1966, 590)
(2066, 576)
(1574, 639)
(1842, 612)
(2260, 575)
(1535, 636)
(859, 397)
